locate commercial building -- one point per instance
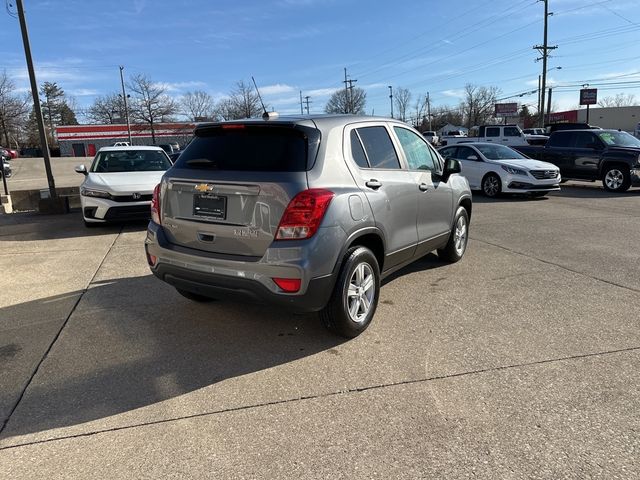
(86, 140)
(623, 118)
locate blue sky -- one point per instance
(293, 45)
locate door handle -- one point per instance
(423, 187)
(373, 184)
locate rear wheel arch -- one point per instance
(370, 238)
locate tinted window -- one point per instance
(583, 140)
(465, 152)
(448, 152)
(560, 139)
(247, 148)
(511, 132)
(493, 132)
(378, 147)
(357, 151)
(131, 161)
(415, 149)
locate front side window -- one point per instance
(493, 132)
(415, 149)
(378, 147)
(131, 161)
(584, 140)
(511, 132)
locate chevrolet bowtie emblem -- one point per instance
(203, 187)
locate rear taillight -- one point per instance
(303, 215)
(155, 205)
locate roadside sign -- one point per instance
(506, 109)
(588, 96)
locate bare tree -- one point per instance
(150, 104)
(444, 115)
(352, 102)
(402, 98)
(107, 109)
(13, 111)
(620, 100)
(243, 102)
(198, 105)
(421, 111)
(478, 104)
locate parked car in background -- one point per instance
(307, 212)
(5, 169)
(594, 154)
(554, 127)
(119, 184)
(169, 148)
(11, 153)
(432, 137)
(495, 169)
(534, 131)
(502, 134)
(121, 144)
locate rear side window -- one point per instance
(357, 151)
(584, 139)
(560, 139)
(493, 132)
(511, 132)
(378, 147)
(247, 148)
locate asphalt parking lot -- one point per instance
(520, 361)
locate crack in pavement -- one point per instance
(578, 272)
(55, 338)
(326, 395)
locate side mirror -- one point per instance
(451, 166)
(81, 169)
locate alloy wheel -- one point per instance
(361, 292)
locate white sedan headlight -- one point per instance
(86, 192)
(514, 171)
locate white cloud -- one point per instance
(322, 92)
(180, 86)
(453, 93)
(276, 89)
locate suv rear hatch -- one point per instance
(228, 190)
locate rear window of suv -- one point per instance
(255, 148)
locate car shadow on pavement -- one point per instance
(594, 190)
(34, 226)
(134, 342)
(508, 198)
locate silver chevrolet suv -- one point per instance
(308, 213)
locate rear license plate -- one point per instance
(208, 205)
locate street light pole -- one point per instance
(44, 145)
(126, 108)
(391, 99)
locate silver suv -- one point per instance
(305, 212)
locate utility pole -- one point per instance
(549, 104)
(539, 83)
(126, 107)
(544, 50)
(307, 101)
(301, 110)
(391, 99)
(36, 101)
(346, 92)
(351, 104)
(429, 110)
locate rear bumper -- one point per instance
(243, 289)
(245, 278)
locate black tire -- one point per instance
(537, 194)
(491, 185)
(616, 178)
(194, 296)
(457, 244)
(336, 315)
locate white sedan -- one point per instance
(496, 169)
(119, 184)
